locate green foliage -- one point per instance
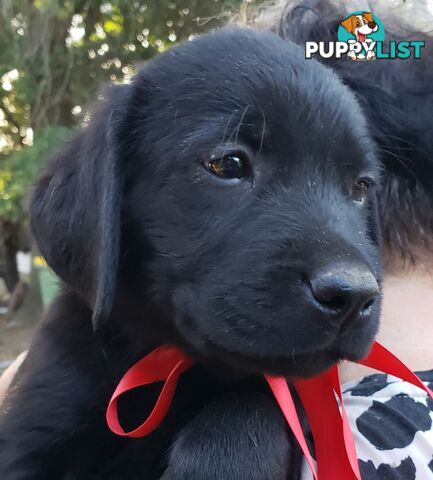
(64, 50)
(19, 170)
(54, 56)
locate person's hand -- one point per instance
(8, 375)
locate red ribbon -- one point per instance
(321, 396)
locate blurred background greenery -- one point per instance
(54, 57)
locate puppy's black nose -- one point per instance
(372, 25)
(341, 293)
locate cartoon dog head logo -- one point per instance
(363, 28)
(360, 25)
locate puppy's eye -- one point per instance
(229, 166)
(360, 189)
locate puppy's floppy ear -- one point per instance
(368, 16)
(75, 208)
(349, 23)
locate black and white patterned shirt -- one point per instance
(392, 423)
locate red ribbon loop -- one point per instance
(321, 396)
(163, 364)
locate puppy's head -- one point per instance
(233, 185)
(363, 24)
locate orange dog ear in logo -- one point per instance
(349, 24)
(368, 16)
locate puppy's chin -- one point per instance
(241, 363)
(297, 363)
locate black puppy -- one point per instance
(223, 202)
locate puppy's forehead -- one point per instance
(235, 67)
(245, 83)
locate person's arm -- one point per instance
(8, 375)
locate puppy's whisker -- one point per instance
(237, 129)
(400, 159)
(396, 137)
(224, 136)
(262, 136)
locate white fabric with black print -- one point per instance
(392, 423)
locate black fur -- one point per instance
(155, 249)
